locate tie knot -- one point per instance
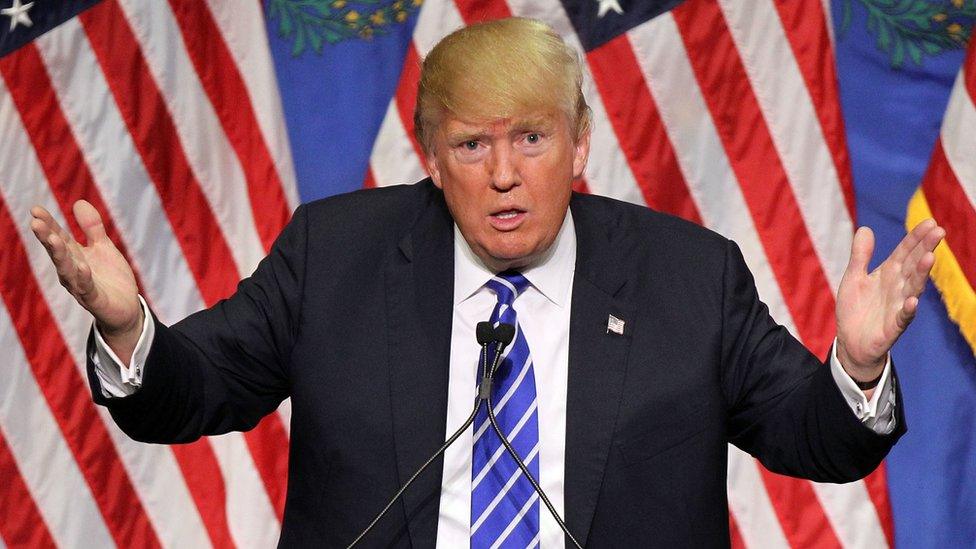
(508, 285)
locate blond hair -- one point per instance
(500, 69)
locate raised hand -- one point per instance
(97, 275)
(873, 309)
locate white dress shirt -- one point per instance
(543, 312)
(543, 315)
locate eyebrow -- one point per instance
(541, 123)
(459, 136)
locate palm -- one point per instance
(114, 284)
(873, 309)
(97, 275)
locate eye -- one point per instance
(533, 138)
(470, 145)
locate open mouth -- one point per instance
(507, 220)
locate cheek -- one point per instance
(464, 202)
(556, 189)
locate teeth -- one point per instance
(506, 215)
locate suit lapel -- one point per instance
(420, 287)
(597, 363)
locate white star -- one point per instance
(607, 5)
(18, 14)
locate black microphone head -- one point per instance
(484, 333)
(504, 334)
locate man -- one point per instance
(642, 348)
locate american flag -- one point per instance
(166, 116)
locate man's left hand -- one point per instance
(873, 309)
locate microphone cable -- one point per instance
(485, 335)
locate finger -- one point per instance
(41, 227)
(861, 249)
(59, 254)
(911, 240)
(915, 284)
(910, 263)
(63, 263)
(53, 226)
(913, 268)
(90, 221)
(41, 213)
(927, 241)
(932, 238)
(42, 232)
(907, 313)
(85, 282)
(74, 274)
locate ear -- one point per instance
(433, 168)
(581, 154)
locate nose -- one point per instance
(503, 167)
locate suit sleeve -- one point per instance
(224, 368)
(784, 406)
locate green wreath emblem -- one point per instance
(916, 28)
(314, 23)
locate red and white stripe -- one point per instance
(726, 113)
(109, 107)
(948, 193)
(957, 138)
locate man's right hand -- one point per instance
(97, 275)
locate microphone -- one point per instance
(485, 335)
(504, 334)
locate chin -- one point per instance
(505, 259)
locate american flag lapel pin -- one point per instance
(615, 325)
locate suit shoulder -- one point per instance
(664, 259)
(649, 227)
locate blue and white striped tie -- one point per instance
(504, 507)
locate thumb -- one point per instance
(861, 250)
(90, 221)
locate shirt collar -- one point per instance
(552, 276)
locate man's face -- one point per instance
(507, 182)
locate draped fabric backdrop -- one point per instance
(196, 127)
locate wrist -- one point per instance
(123, 332)
(865, 374)
(123, 340)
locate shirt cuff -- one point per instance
(119, 380)
(878, 413)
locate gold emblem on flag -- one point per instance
(915, 28)
(315, 23)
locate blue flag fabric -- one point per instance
(338, 64)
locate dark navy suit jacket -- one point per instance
(350, 316)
